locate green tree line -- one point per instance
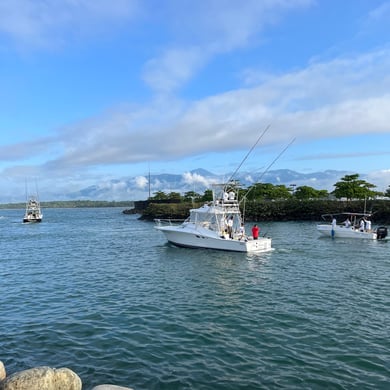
(349, 187)
(268, 202)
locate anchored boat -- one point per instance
(351, 225)
(33, 211)
(215, 225)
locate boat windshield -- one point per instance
(215, 217)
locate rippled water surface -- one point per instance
(102, 293)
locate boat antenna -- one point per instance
(249, 152)
(36, 189)
(270, 165)
(25, 189)
(149, 180)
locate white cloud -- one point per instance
(204, 30)
(313, 103)
(250, 179)
(381, 178)
(381, 13)
(196, 179)
(173, 68)
(345, 96)
(49, 23)
(141, 182)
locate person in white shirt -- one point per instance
(347, 223)
(368, 225)
(361, 228)
(223, 224)
(230, 227)
(242, 232)
(334, 223)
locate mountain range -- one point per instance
(198, 180)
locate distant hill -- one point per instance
(198, 180)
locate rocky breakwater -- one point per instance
(46, 378)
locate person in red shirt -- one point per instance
(255, 232)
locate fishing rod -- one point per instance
(249, 152)
(269, 166)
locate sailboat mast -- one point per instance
(149, 182)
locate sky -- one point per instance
(95, 90)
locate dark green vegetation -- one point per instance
(349, 187)
(279, 210)
(71, 204)
(268, 202)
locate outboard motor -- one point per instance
(381, 232)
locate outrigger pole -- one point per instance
(266, 170)
(270, 165)
(249, 152)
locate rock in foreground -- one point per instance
(42, 378)
(3, 374)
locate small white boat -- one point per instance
(33, 211)
(217, 225)
(351, 225)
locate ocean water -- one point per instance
(103, 294)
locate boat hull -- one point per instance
(30, 220)
(202, 238)
(344, 232)
(33, 212)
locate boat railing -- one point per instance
(232, 205)
(168, 221)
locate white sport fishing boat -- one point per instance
(217, 225)
(351, 225)
(33, 211)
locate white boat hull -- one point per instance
(33, 212)
(344, 232)
(190, 236)
(215, 225)
(29, 219)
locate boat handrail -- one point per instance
(168, 221)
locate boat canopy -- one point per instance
(352, 216)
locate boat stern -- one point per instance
(263, 244)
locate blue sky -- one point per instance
(93, 90)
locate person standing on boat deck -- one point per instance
(230, 227)
(241, 231)
(361, 228)
(255, 232)
(368, 225)
(334, 224)
(223, 224)
(347, 223)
